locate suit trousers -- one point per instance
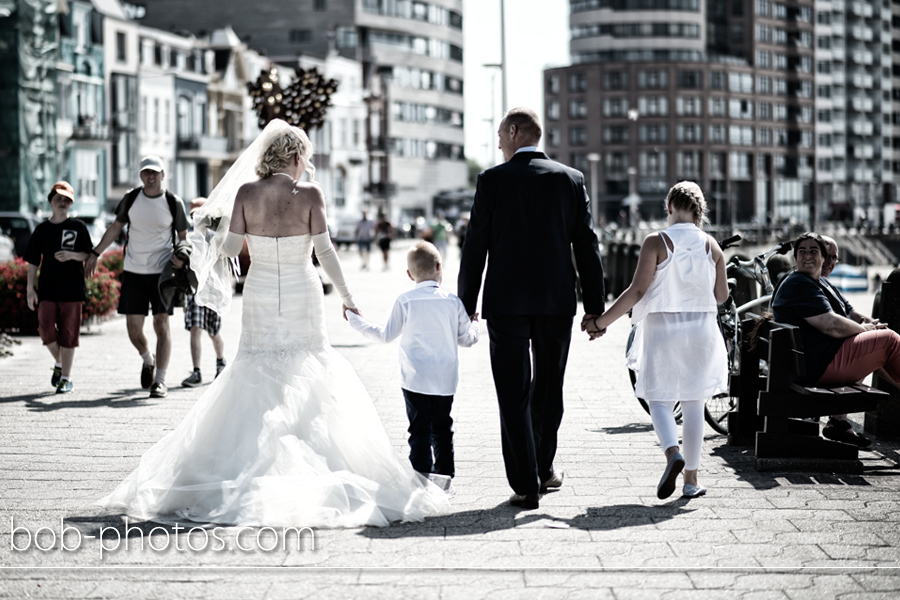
(528, 361)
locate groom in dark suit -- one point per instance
(530, 216)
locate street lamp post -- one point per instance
(599, 216)
(494, 67)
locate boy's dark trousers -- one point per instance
(430, 426)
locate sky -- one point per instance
(537, 36)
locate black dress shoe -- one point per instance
(555, 481)
(529, 501)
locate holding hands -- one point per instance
(594, 325)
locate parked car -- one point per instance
(343, 232)
(18, 226)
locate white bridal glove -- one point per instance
(328, 258)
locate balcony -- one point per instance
(378, 145)
(88, 129)
(202, 146)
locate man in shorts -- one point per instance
(156, 219)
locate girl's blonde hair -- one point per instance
(281, 151)
(687, 196)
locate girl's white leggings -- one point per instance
(692, 425)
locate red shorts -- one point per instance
(59, 322)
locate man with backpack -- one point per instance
(156, 220)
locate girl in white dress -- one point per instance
(287, 434)
(678, 352)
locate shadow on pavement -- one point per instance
(742, 460)
(504, 517)
(629, 428)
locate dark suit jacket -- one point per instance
(529, 215)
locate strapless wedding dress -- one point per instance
(287, 435)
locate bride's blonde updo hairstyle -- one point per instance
(687, 196)
(281, 152)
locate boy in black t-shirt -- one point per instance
(59, 245)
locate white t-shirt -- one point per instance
(149, 235)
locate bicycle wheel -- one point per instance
(718, 407)
(676, 410)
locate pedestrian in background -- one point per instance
(365, 232)
(59, 246)
(156, 220)
(198, 319)
(384, 233)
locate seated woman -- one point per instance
(838, 349)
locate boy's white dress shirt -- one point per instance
(433, 323)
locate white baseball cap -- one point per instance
(152, 163)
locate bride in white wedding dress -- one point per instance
(287, 435)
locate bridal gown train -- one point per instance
(287, 435)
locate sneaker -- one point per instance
(442, 481)
(193, 380)
(158, 390)
(65, 386)
(220, 366)
(842, 431)
(57, 375)
(147, 372)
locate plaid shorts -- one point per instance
(201, 316)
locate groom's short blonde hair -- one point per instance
(422, 259)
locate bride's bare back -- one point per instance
(278, 207)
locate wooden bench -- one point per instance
(787, 441)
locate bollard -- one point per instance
(884, 422)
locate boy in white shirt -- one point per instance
(433, 322)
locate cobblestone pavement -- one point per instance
(604, 534)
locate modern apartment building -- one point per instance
(774, 109)
(410, 55)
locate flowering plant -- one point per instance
(113, 261)
(102, 293)
(14, 312)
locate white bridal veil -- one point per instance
(211, 222)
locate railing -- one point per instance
(90, 130)
(203, 144)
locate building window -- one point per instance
(716, 80)
(688, 164)
(652, 164)
(615, 134)
(764, 84)
(614, 80)
(577, 109)
(657, 79)
(615, 107)
(764, 111)
(553, 137)
(121, 47)
(763, 59)
(577, 136)
(653, 134)
(739, 164)
(655, 106)
(300, 36)
(717, 134)
(764, 136)
(690, 79)
(717, 107)
(740, 109)
(689, 106)
(739, 135)
(553, 110)
(740, 82)
(689, 133)
(553, 84)
(577, 82)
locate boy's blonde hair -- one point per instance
(687, 196)
(422, 259)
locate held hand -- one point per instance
(32, 299)
(345, 308)
(474, 317)
(177, 263)
(64, 255)
(595, 334)
(90, 264)
(587, 320)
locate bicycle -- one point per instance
(729, 319)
